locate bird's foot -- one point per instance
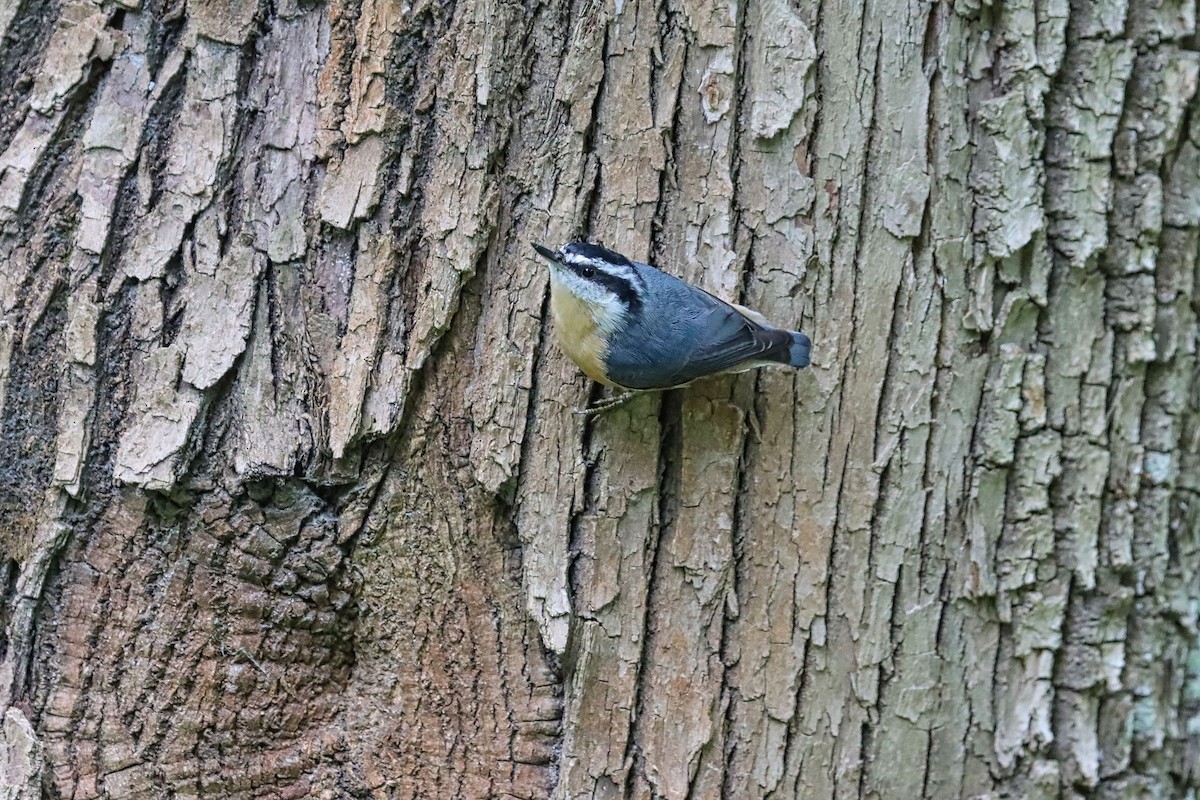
(606, 404)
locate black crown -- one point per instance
(597, 252)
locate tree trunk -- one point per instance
(293, 500)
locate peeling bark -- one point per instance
(294, 501)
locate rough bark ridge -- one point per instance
(293, 501)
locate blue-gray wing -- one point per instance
(697, 336)
(727, 339)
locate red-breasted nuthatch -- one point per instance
(633, 327)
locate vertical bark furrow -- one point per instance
(25, 29)
(612, 569)
(1103, 641)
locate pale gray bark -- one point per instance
(293, 500)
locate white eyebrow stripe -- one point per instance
(576, 258)
(619, 270)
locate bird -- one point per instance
(635, 328)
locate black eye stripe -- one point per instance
(621, 287)
(584, 270)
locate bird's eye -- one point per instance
(587, 272)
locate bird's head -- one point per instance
(603, 280)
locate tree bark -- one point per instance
(293, 500)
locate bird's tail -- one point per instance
(799, 349)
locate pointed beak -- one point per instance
(548, 254)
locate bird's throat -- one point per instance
(578, 332)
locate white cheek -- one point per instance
(609, 314)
